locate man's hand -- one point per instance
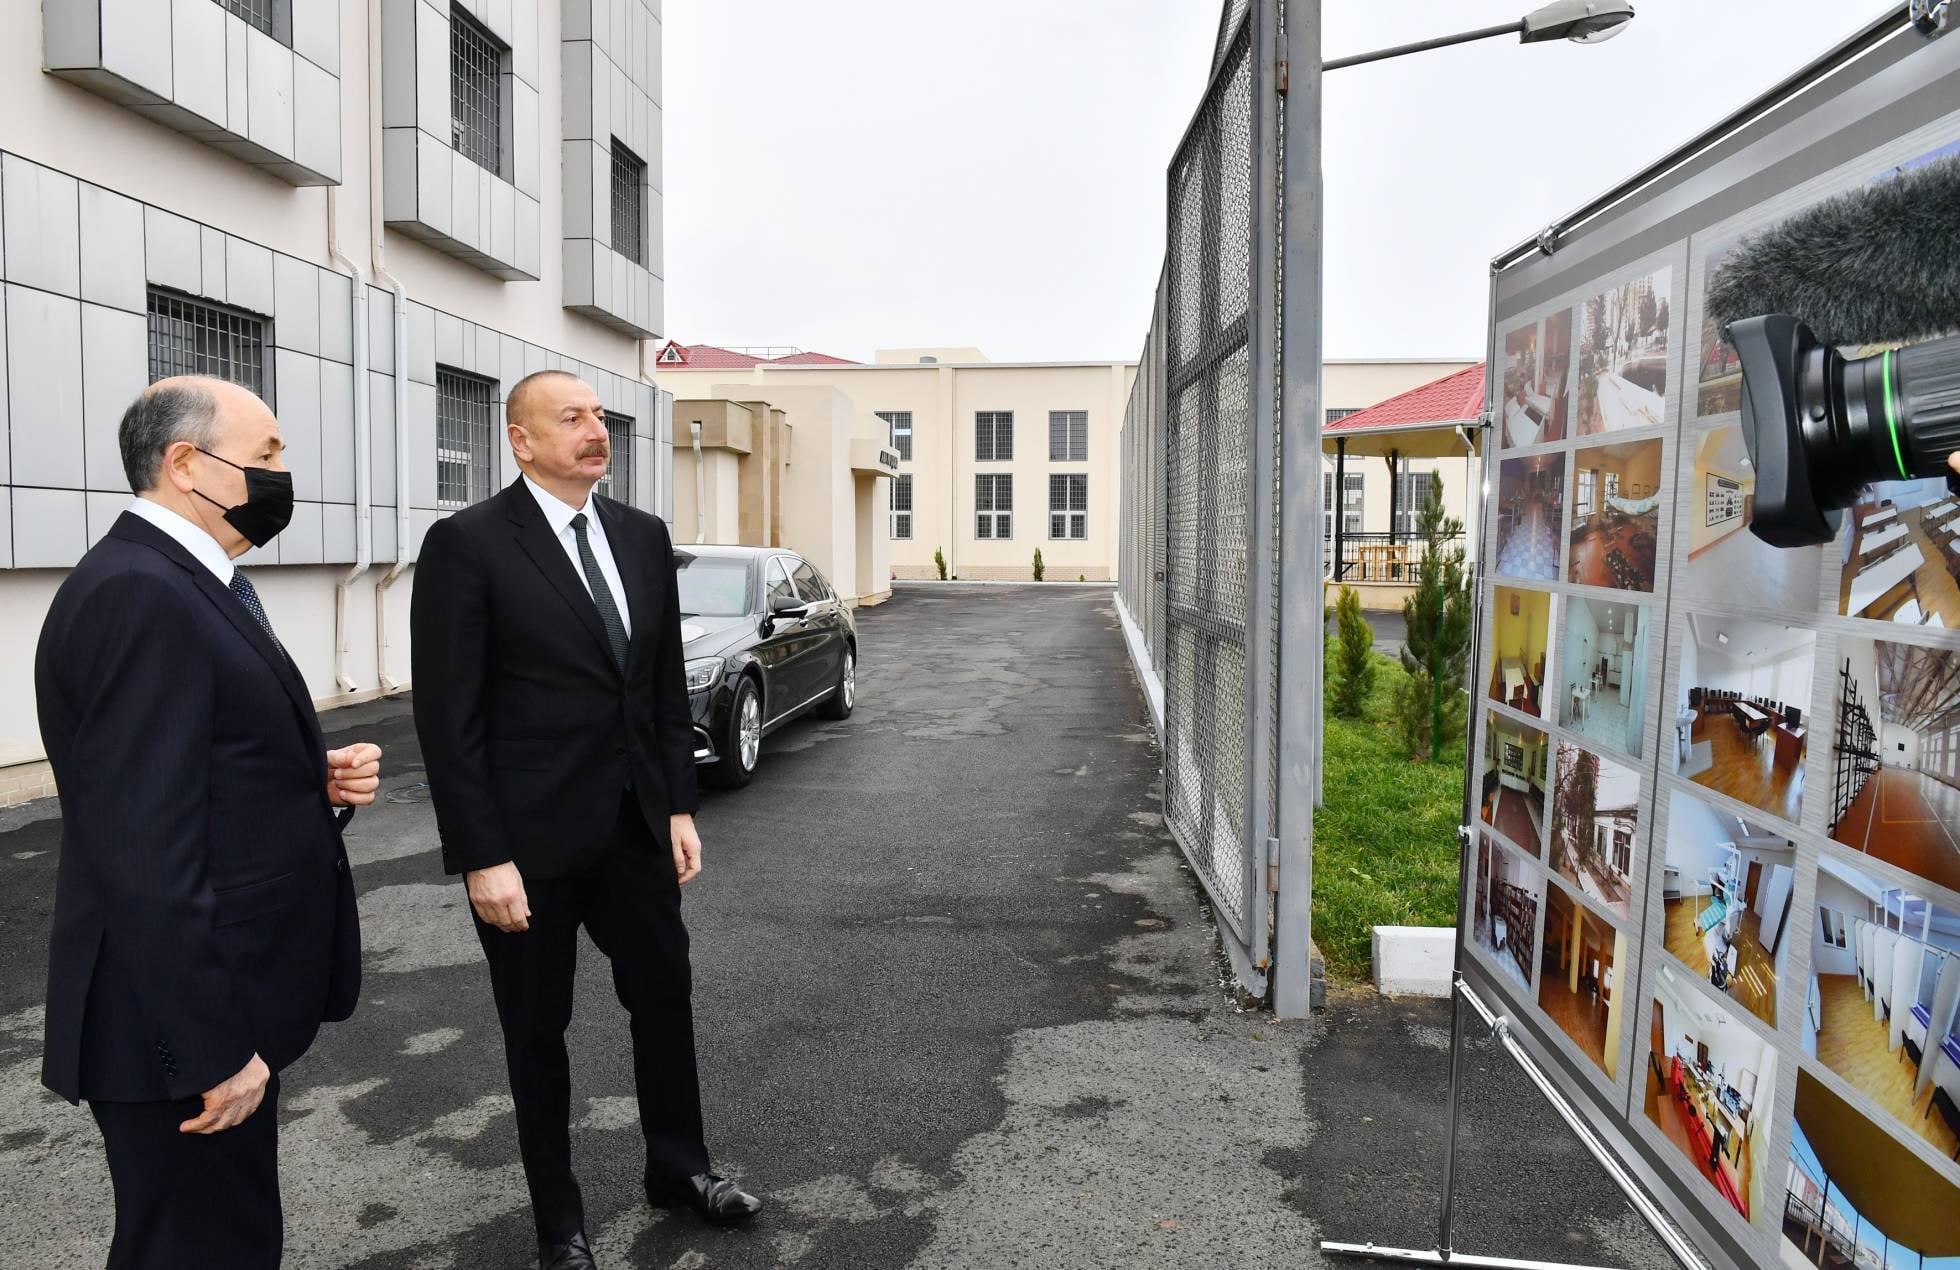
(353, 774)
(687, 847)
(497, 895)
(232, 1103)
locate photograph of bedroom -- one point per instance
(1615, 515)
(1595, 814)
(1711, 1085)
(1718, 388)
(1726, 562)
(1727, 886)
(1521, 636)
(1883, 1009)
(1742, 702)
(1504, 915)
(1537, 364)
(1899, 556)
(1855, 1196)
(1576, 981)
(1895, 757)
(1530, 512)
(1602, 669)
(1623, 356)
(1516, 763)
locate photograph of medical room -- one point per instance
(1727, 885)
(1537, 365)
(1602, 670)
(1899, 557)
(1516, 763)
(1741, 709)
(1727, 563)
(1615, 515)
(1623, 356)
(1895, 764)
(1711, 1085)
(1883, 1009)
(1504, 915)
(1595, 816)
(1521, 636)
(1856, 1196)
(1576, 981)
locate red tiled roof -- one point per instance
(708, 357)
(1449, 400)
(811, 359)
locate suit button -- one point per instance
(340, 864)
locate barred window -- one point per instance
(993, 507)
(1068, 505)
(196, 337)
(1335, 414)
(1352, 506)
(993, 436)
(1068, 436)
(257, 13)
(629, 178)
(476, 92)
(901, 432)
(466, 406)
(618, 480)
(902, 506)
(1413, 491)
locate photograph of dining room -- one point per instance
(1504, 915)
(1726, 562)
(1602, 672)
(1895, 759)
(1577, 985)
(1727, 887)
(1520, 636)
(1530, 515)
(1899, 558)
(1711, 1088)
(1883, 1010)
(1623, 356)
(1516, 759)
(1595, 817)
(1741, 710)
(1718, 386)
(1536, 368)
(1615, 515)
(1856, 1196)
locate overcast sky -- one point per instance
(867, 174)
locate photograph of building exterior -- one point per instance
(1718, 383)
(1535, 387)
(1615, 515)
(1603, 663)
(1727, 886)
(1623, 356)
(1855, 1196)
(1521, 637)
(1595, 818)
(1530, 514)
(1899, 558)
(1577, 986)
(1504, 913)
(1742, 705)
(1726, 562)
(1711, 1084)
(1895, 758)
(1516, 759)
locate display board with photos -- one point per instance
(1714, 869)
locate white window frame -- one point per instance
(992, 522)
(1068, 436)
(901, 517)
(1073, 520)
(899, 432)
(990, 429)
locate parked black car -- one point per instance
(767, 639)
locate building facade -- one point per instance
(1378, 500)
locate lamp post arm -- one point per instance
(1422, 46)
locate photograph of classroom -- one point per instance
(1516, 760)
(1854, 1196)
(1895, 760)
(1705, 1071)
(1615, 515)
(1530, 516)
(1504, 916)
(1623, 356)
(1727, 887)
(1726, 562)
(1603, 672)
(1576, 983)
(1595, 814)
(1719, 385)
(1742, 700)
(1883, 1010)
(1537, 364)
(1900, 555)
(1521, 636)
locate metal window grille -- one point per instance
(256, 12)
(196, 337)
(465, 410)
(618, 480)
(629, 178)
(1413, 492)
(1335, 414)
(1068, 505)
(476, 105)
(993, 507)
(901, 432)
(1068, 436)
(902, 507)
(993, 436)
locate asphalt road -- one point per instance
(958, 1005)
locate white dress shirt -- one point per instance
(559, 515)
(192, 536)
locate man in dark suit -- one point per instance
(204, 920)
(551, 701)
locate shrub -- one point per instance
(1037, 564)
(1355, 658)
(939, 558)
(1430, 705)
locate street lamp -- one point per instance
(1580, 21)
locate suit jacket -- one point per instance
(204, 910)
(529, 730)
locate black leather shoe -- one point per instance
(717, 1200)
(574, 1254)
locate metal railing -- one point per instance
(1378, 557)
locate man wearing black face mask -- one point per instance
(204, 921)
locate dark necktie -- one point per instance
(241, 586)
(602, 596)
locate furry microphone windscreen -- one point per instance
(1875, 265)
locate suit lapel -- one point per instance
(627, 557)
(548, 554)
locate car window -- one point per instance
(809, 585)
(775, 583)
(712, 586)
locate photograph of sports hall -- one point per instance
(1711, 1087)
(1883, 1010)
(1521, 636)
(1623, 356)
(1742, 702)
(1895, 761)
(1854, 1196)
(1900, 555)
(1726, 886)
(1727, 563)
(1537, 365)
(1576, 983)
(1530, 516)
(1718, 386)
(1504, 916)
(1595, 814)
(1516, 763)
(1602, 670)
(1615, 515)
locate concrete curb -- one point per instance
(1153, 686)
(1414, 961)
(933, 582)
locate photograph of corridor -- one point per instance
(1741, 700)
(1537, 367)
(1595, 816)
(1727, 887)
(1727, 564)
(1516, 759)
(1615, 515)
(1504, 914)
(1856, 1197)
(1623, 356)
(1899, 557)
(1577, 986)
(1711, 1084)
(1521, 634)
(1530, 515)
(1895, 757)
(1603, 672)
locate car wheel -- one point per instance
(843, 698)
(741, 748)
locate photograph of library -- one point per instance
(1884, 1004)
(1854, 1196)
(1623, 356)
(1536, 368)
(1603, 672)
(1718, 386)
(1900, 555)
(1595, 814)
(1530, 516)
(1711, 1087)
(1727, 563)
(1504, 916)
(1727, 887)
(1615, 515)
(1521, 635)
(1515, 763)
(1576, 981)
(1742, 697)
(1895, 761)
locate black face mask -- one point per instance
(268, 505)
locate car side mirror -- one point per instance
(783, 607)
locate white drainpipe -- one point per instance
(376, 233)
(700, 486)
(363, 449)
